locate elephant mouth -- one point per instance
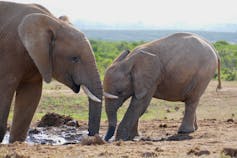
(75, 87)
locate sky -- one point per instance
(149, 12)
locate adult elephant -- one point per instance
(175, 68)
(36, 46)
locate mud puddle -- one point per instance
(54, 129)
(56, 135)
(52, 135)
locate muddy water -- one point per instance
(52, 135)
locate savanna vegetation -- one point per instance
(228, 54)
(106, 52)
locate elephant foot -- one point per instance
(18, 138)
(124, 134)
(12, 140)
(185, 130)
(134, 133)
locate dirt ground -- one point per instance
(217, 132)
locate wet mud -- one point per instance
(54, 129)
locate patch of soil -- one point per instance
(105, 154)
(211, 139)
(16, 155)
(56, 120)
(149, 154)
(179, 137)
(197, 152)
(176, 108)
(230, 152)
(158, 149)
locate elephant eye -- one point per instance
(75, 59)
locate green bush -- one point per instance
(228, 55)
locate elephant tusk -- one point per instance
(110, 96)
(89, 94)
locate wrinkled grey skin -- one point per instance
(36, 46)
(175, 68)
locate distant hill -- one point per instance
(148, 35)
(222, 28)
(93, 25)
(139, 31)
(139, 25)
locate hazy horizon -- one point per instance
(149, 14)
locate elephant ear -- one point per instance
(36, 32)
(122, 56)
(145, 73)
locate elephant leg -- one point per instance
(27, 100)
(5, 104)
(130, 120)
(135, 129)
(189, 123)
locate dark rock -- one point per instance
(56, 120)
(163, 125)
(230, 120)
(230, 152)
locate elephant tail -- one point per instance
(219, 73)
(219, 86)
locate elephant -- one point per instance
(174, 68)
(35, 46)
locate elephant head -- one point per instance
(60, 51)
(123, 79)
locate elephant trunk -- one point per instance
(112, 116)
(95, 107)
(111, 112)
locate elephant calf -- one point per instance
(175, 68)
